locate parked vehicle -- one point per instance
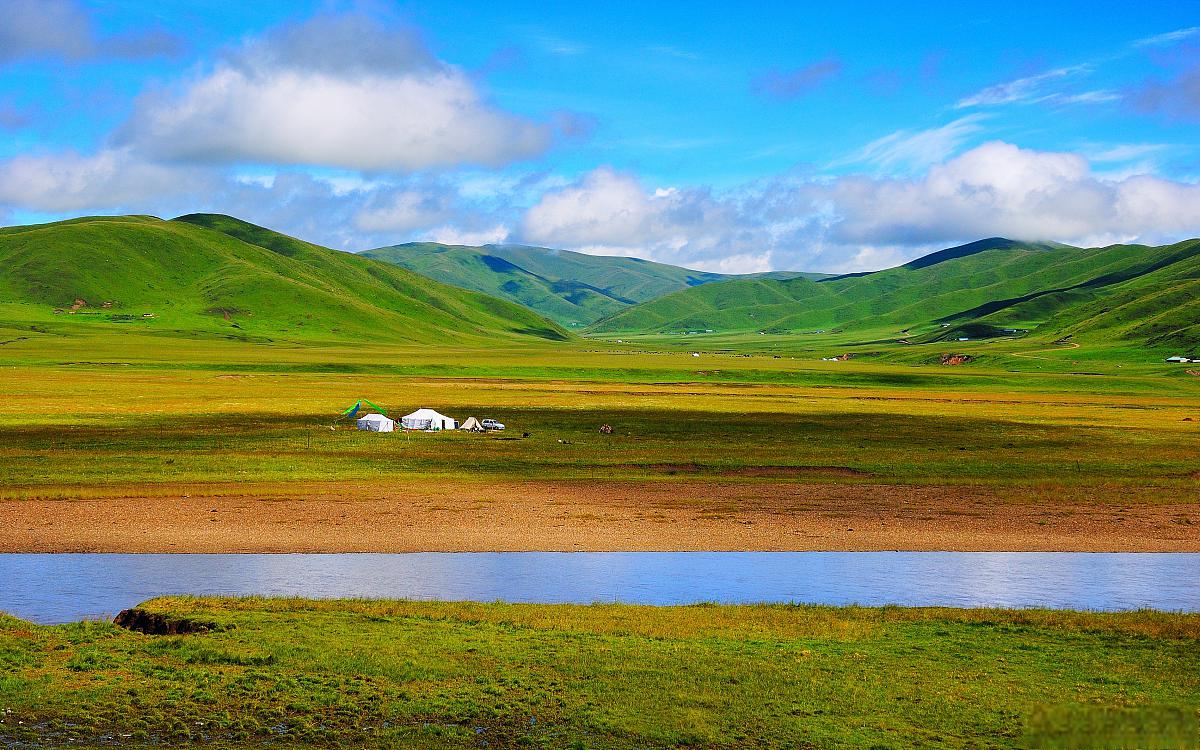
(491, 424)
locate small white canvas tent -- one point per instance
(472, 424)
(375, 423)
(428, 419)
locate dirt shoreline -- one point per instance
(587, 516)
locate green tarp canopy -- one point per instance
(352, 412)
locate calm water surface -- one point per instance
(66, 587)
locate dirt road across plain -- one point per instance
(595, 516)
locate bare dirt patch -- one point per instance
(685, 514)
(783, 472)
(956, 359)
(768, 472)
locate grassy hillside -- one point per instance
(573, 289)
(1134, 292)
(206, 273)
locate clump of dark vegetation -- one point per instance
(156, 623)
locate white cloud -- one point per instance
(450, 235)
(43, 28)
(604, 208)
(858, 222)
(612, 213)
(337, 91)
(1097, 96)
(848, 223)
(1170, 37)
(1117, 161)
(871, 257)
(1027, 89)
(745, 263)
(908, 150)
(62, 29)
(1123, 151)
(555, 44)
(1000, 189)
(68, 181)
(403, 211)
(318, 209)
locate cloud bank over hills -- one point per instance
(350, 129)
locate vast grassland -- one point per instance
(428, 675)
(88, 411)
(1049, 433)
(131, 418)
(85, 412)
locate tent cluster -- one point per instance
(421, 419)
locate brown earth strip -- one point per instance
(599, 516)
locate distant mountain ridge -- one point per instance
(573, 289)
(1138, 293)
(217, 274)
(978, 246)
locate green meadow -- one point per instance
(293, 673)
(91, 409)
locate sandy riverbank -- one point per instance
(677, 515)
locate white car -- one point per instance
(491, 424)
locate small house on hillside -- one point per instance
(428, 419)
(375, 423)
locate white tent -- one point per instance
(428, 419)
(472, 424)
(375, 423)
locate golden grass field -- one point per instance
(726, 450)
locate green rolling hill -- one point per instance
(220, 275)
(573, 289)
(214, 273)
(1131, 292)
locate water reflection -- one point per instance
(65, 587)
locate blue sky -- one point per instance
(824, 137)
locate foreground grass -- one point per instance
(424, 674)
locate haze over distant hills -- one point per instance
(212, 273)
(573, 289)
